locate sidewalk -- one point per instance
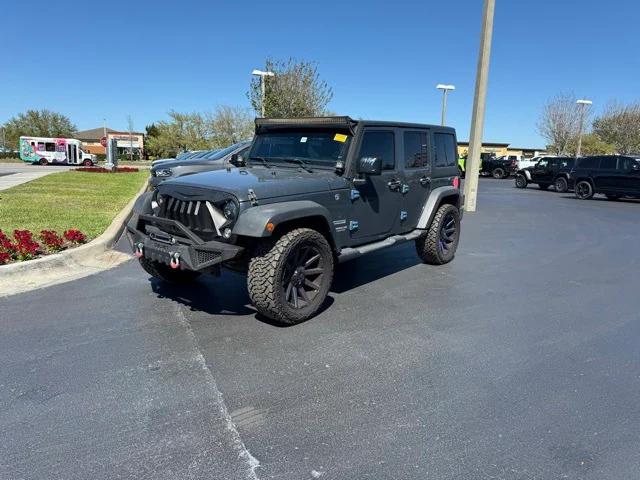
(11, 180)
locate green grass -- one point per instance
(60, 201)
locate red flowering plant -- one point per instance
(24, 247)
(51, 240)
(75, 236)
(106, 170)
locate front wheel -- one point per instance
(43, 161)
(561, 185)
(521, 181)
(288, 281)
(439, 243)
(584, 190)
(87, 163)
(166, 273)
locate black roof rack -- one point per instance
(266, 124)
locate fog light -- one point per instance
(226, 233)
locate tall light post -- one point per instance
(445, 90)
(583, 108)
(262, 74)
(479, 103)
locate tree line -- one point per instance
(615, 130)
(295, 90)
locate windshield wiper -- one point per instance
(300, 162)
(262, 159)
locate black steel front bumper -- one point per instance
(182, 247)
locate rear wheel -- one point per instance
(561, 185)
(498, 173)
(168, 274)
(584, 190)
(439, 243)
(521, 181)
(288, 281)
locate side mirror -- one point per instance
(370, 165)
(237, 160)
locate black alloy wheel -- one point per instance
(521, 181)
(584, 190)
(303, 275)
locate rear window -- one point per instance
(445, 150)
(415, 149)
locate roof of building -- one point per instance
(97, 133)
(497, 144)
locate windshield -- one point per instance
(313, 147)
(218, 154)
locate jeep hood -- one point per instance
(265, 182)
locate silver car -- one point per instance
(211, 160)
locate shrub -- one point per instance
(51, 240)
(24, 247)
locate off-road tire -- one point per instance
(561, 185)
(521, 181)
(498, 173)
(428, 245)
(584, 190)
(543, 186)
(267, 270)
(168, 274)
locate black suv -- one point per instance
(497, 167)
(616, 176)
(310, 193)
(548, 171)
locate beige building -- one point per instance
(502, 149)
(125, 141)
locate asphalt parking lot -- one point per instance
(519, 360)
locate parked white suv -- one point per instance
(530, 162)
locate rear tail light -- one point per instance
(456, 182)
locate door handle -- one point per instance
(394, 185)
(424, 181)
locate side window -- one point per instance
(445, 150)
(608, 163)
(588, 162)
(50, 147)
(416, 150)
(544, 163)
(381, 144)
(41, 146)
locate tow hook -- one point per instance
(175, 260)
(139, 250)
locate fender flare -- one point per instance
(252, 222)
(434, 201)
(142, 205)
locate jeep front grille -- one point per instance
(192, 214)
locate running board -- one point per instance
(350, 253)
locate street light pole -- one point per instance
(445, 90)
(262, 74)
(479, 103)
(583, 107)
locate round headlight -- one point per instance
(230, 210)
(163, 172)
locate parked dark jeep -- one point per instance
(310, 193)
(497, 167)
(548, 171)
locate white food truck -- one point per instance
(61, 151)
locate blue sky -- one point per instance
(95, 60)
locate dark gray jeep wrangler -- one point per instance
(311, 192)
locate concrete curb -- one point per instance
(71, 264)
